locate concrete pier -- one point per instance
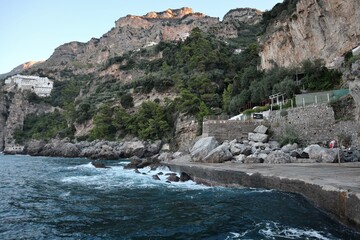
(334, 188)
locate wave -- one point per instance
(117, 176)
(273, 230)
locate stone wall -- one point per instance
(312, 124)
(228, 129)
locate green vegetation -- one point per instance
(280, 10)
(43, 127)
(205, 73)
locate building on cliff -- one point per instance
(42, 86)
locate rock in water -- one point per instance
(155, 177)
(98, 164)
(184, 177)
(173, 178)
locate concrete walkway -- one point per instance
(334, 187)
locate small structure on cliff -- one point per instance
(41, 86)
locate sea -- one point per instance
(67, 198)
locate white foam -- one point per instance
(273, 230)
(117, 176)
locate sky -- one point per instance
(32, 29)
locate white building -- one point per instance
(42, 86)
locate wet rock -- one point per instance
(134, 162)
(144, 163)
(202, 148)
(98, 164)
(173, 178)
(155, 177)
(136, 170)
(184, 177)
(160, 173)
(60, 148)
(277, 157)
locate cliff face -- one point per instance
(14, 115)
(135, 32)
(325, 29)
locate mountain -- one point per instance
(20, 68)
(157, 76)
(309, 29)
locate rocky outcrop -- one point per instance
(325, 29)
(186, 128)
(93, 150)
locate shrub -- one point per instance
(289, 136)
(127, 101)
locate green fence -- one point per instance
(319, 97)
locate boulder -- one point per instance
(295, 154)
(321, 154)
(34, 147)
(152, 148)
(240, 158)
(220, 154)
(261, 129)
(253, 158)
(173, 178)
(202, 148)
(184, 177)
(289, 147)
(258, 137)
(274, 145)
(98, 164)
(314, 151)
(134, 162)
(351, 155)
(59, 148)
(178, 155)
(278, 157)
(165, 157)
(133, 148)
(155, 177)
(262, 156)
(144, 163)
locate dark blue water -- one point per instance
(55, 198)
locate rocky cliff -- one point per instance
(325, 29)
(15, 107)
(132, 33)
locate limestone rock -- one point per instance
(291, 40)
(289, 147)
(277, 157)
(133, 148)
(240, 158)
(258, 137)
(218, 155)
(274, 145)
(165, 157)
(253, 158)
(261, 129)
(202, 148)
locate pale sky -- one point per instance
(32, 29)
